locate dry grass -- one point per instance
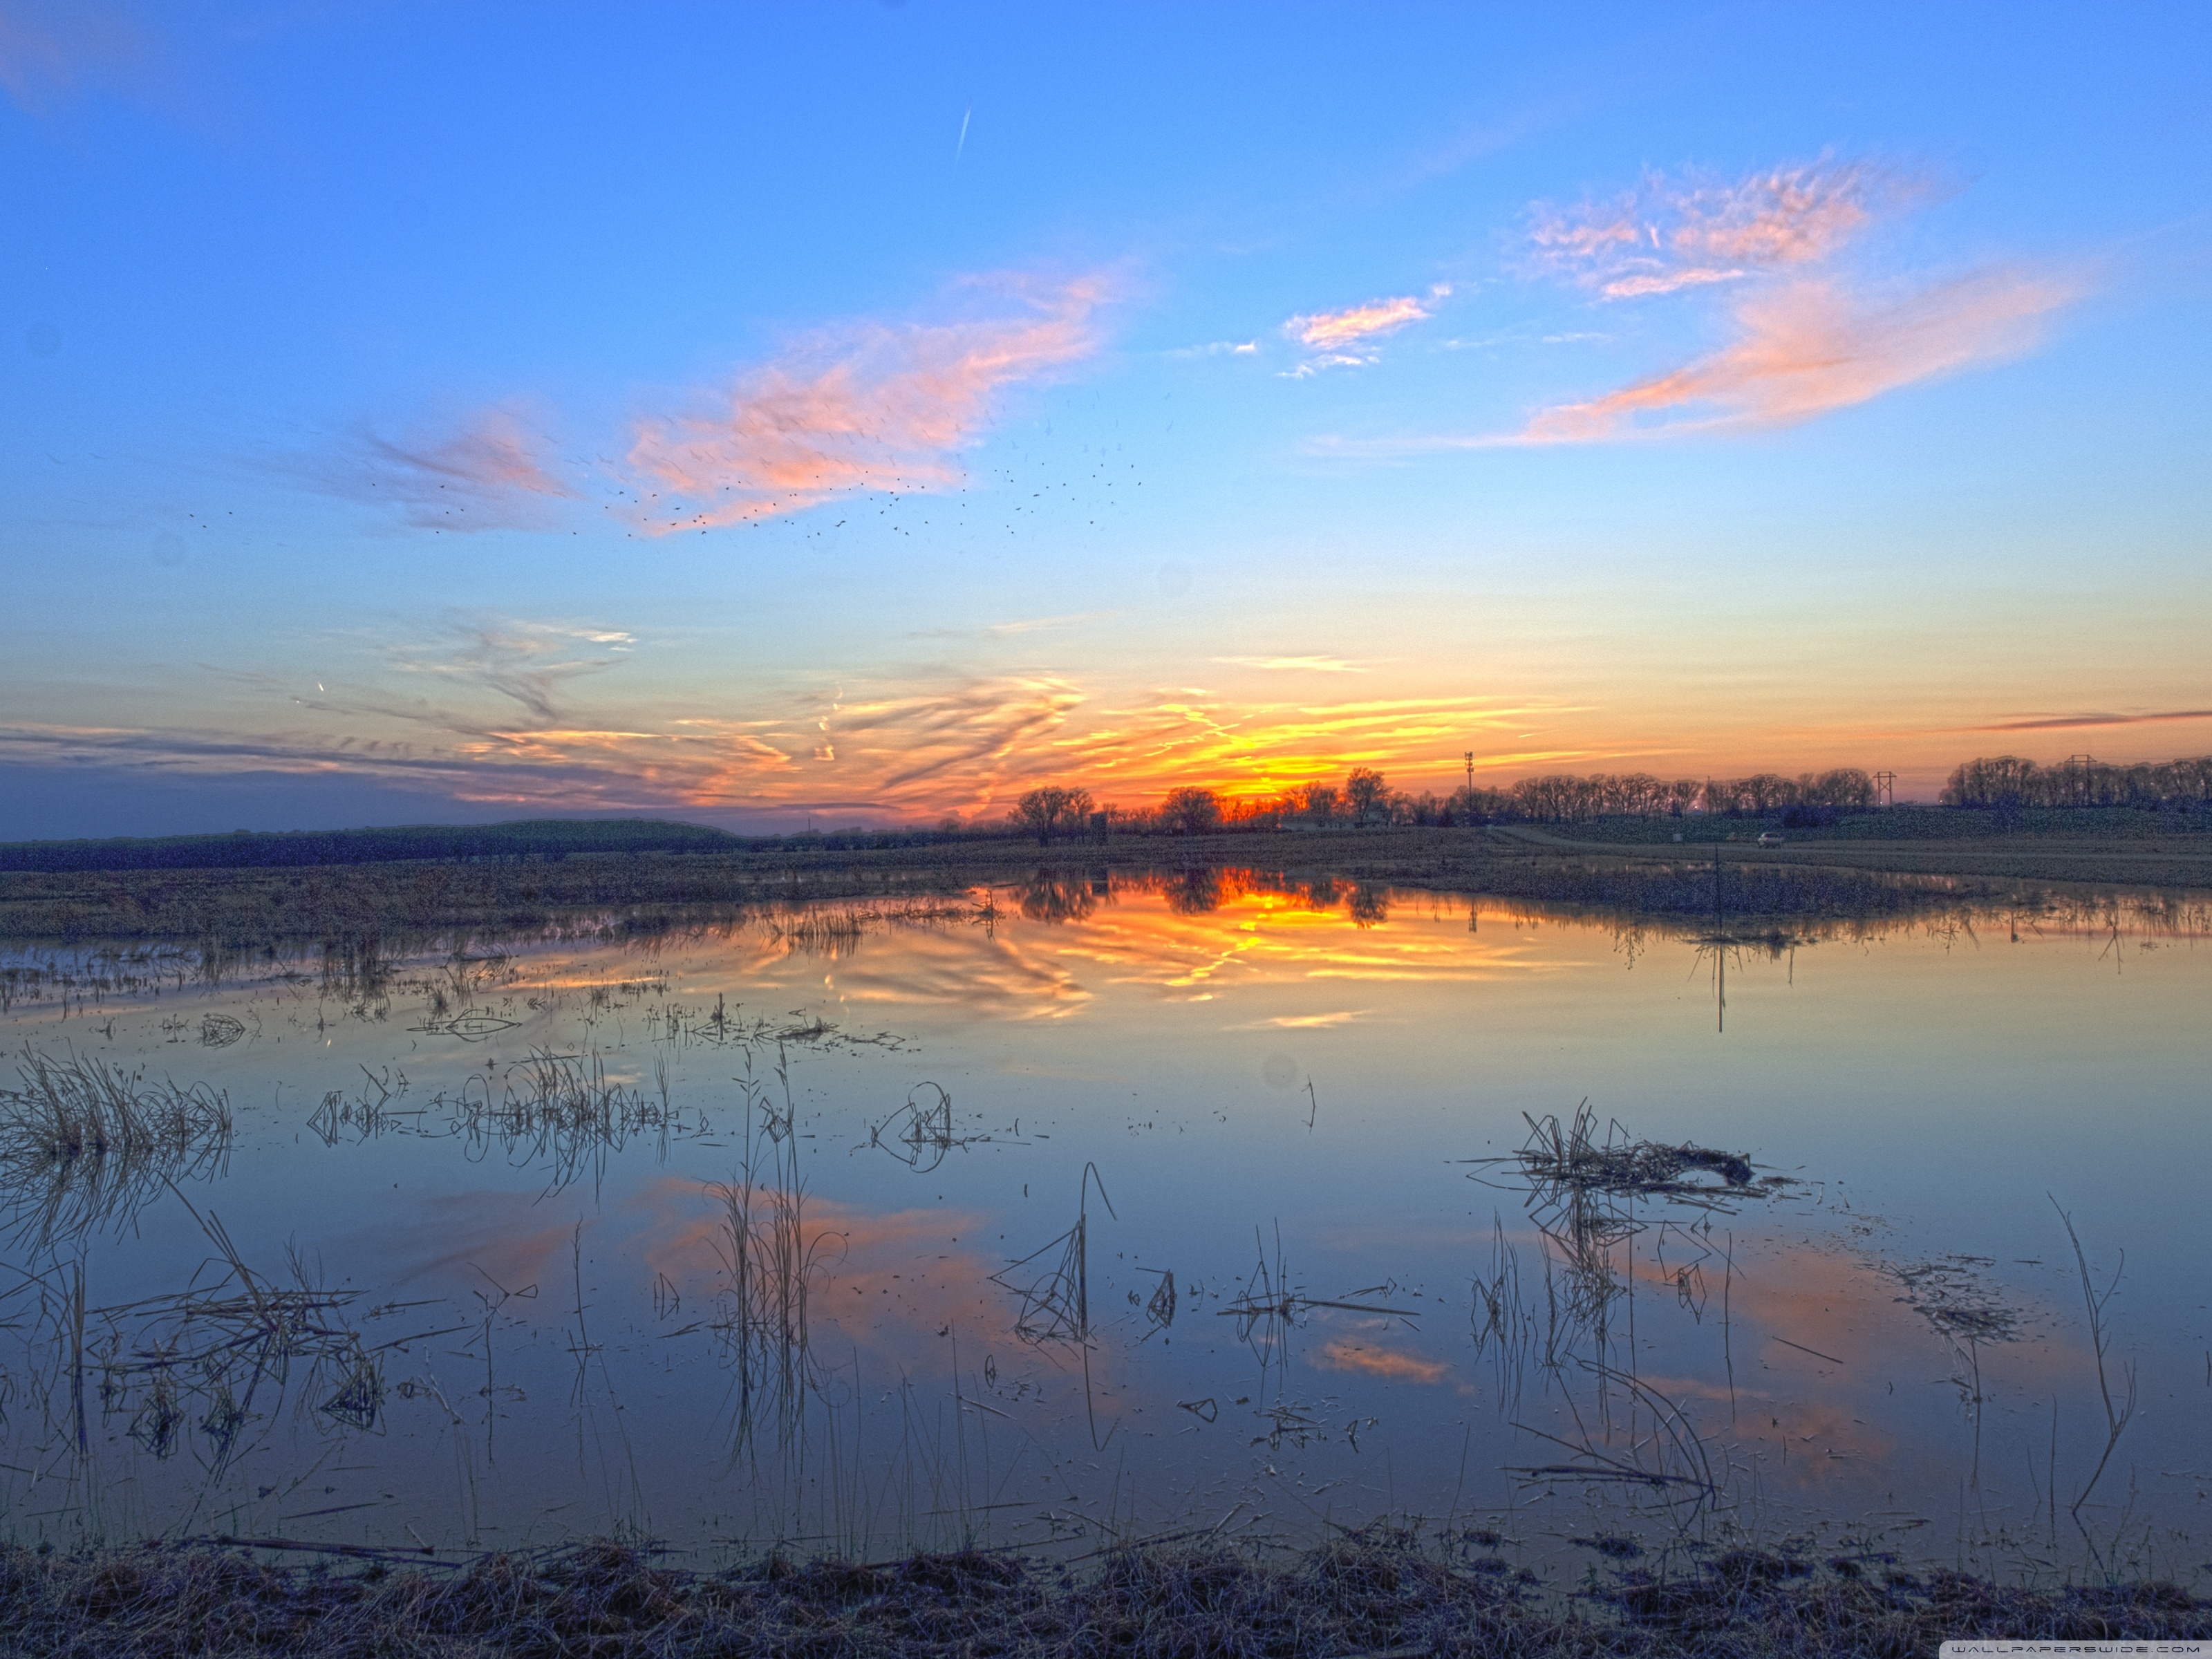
(1369, 1594)
(1562, 1162)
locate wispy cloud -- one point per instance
(1216, 348)
(1010, 630)
(1333, 331)
(525, 662)
(485, 476)
(536, 715)
(1670, 235)
(1310, 664)
(1810, 332)
(869, 406)
(2066, 722)
(1813, 346)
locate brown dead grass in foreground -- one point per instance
(1367, 1594)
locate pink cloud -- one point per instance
(1666, 235)
(1334, 330)
(876, 406)
(1815, 346)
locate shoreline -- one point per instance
(1368, 1594)
(1829, 880)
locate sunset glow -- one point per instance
(419, 416)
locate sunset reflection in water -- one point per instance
(1231, 1128)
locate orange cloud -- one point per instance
(871, 407)
(1385, 1363)
(1334, 330)
(496, 713)
(1813, 346)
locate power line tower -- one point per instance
(1885, 789)
(2078, 767)
(1468, 756)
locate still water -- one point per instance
(1120, 1210)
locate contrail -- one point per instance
(962, 144)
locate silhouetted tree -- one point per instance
(1363, 788)
(1194, 812)
(2006, 781)
(1043, 810)
(1317, 801)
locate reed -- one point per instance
(84, 1143)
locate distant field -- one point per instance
(1841, 876)
(1908, 823)
(542, 838)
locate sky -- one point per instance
(857, 413)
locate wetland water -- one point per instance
(1125, 1210)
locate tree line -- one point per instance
(2006, 781)
(1365, 799)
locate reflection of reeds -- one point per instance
(562, 1110)
(206, 1359)
(919, 1134)
(1052, 1282)
(1269, 1307)
(1583, 1192)
(1671, 1459)
(2116, 1416)
(361, 1119)
(82, 1142)
(769, 1266)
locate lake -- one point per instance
(1113, 1209)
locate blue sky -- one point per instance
(428, 412)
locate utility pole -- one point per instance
(1469, 758)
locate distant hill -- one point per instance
(544, 838)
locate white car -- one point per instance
(1770, 839)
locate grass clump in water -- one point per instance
(83, 1142)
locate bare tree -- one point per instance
(1363, 787)
(1192, 811)
(1043, 810)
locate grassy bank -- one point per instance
(644, 891)
(1369, 1593)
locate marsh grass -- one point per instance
(562, 1111)
(1052, 1284)
(208, 1368)
(1376, 1591)
(84, 1143)
(358, 917)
